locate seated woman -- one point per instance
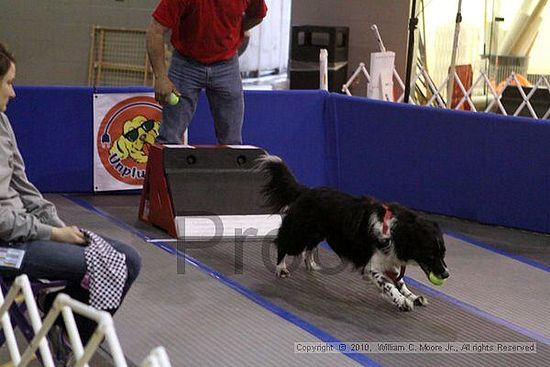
(30, 223)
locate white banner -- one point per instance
(125, 126)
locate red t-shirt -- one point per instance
(207, 30)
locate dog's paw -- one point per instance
(312, 266)
(420, 301)
(282, 273)
(405, 305)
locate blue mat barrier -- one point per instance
(484, 167)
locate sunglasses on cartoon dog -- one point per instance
(133, 134)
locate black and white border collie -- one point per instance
(378, 239)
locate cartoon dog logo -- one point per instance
(138, 134)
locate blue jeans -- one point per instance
(224, 90)
(62, 261)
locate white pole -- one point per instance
(378, 38)
(452, 68)
(7, 328)
(323, 69)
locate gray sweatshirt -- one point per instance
(24, 213)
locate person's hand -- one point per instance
(163, 88)
(69, 234)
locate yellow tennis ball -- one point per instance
(173, 99)
(435, 279)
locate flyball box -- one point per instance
(206, 192)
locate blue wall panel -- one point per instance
(289, 124)
(483, 167)
(54, 129)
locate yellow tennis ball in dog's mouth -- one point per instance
(435, 279)
(173, 99)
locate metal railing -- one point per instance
(437, 94)
(66, 307)
(437, 98)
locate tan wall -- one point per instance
(391, 17)
(51, 38)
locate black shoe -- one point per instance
(44, 301)
(61, 350)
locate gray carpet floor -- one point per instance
(213, 304)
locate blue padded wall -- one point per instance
(484, 167)
(54, 129)
(289, 124)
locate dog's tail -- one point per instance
(281, 188)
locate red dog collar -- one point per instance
(387, 217)
(394, 276)
(385, 226)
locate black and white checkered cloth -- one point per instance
(106, 272)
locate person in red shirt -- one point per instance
(206, 36)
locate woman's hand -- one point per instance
(69, 234)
